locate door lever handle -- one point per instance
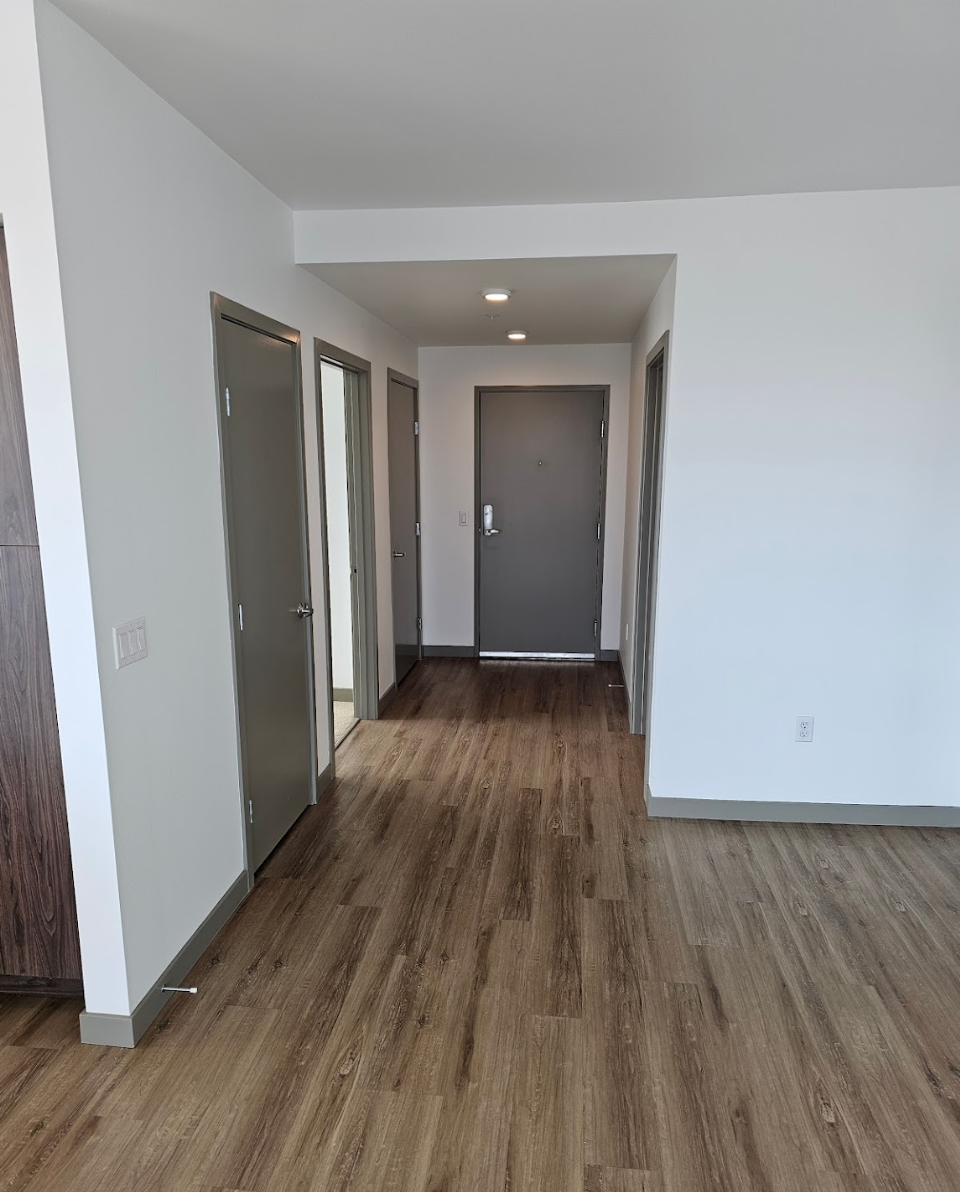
(399, 554)
(488, 529)
(303, 610)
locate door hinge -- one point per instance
(416, 428)
(419, 625)
(598, 531)
(250, 809)
(417, 524)
(603, 427)
(226, 394)
(594, 628)
(240, 616)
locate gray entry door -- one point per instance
(404, 518)
(540, 480)
(263, 465)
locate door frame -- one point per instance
(224, 308)
(648, 571)
(358, 412)
(477, 513)
(402, 379)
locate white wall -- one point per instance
(26, 211)
(810, 560)
(447, 415)
(338, 523)
(657, 321)
(151, 217)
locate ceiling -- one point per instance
(377, 103)
(556, 300)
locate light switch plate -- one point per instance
(464, 518)
(130, 642)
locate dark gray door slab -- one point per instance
(263, 466)
(540, 467)
(404, 515)
(649, 537)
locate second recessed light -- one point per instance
(497, 295)
(517, 336)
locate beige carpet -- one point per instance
(343, 720)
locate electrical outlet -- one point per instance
(804, 729)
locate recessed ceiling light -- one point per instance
(497, 295)
(517, 336)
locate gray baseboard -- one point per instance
(892, 816)
(387, 698)
(449, 651)
(324, 778)
(126, 1030)
(343, 695)
(609, 655)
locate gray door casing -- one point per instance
(404, 477)
(648, 533)
(541, 464)
(360, 502)
(260, 421)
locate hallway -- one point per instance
(477, 965)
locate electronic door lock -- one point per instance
(488, 527)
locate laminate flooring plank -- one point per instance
(545, 1151)
(516, 858)
(612, 1179)
(620, 1094)
(554, 981)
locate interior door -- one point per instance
(404, 524)
(649, 534)
(539, 525)
(261, 431)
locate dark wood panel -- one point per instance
(18, 525)
(477, 966)
(42, 986)
(38, 923)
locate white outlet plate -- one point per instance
(804, 729)
(130, 642)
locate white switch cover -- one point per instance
(464, 518)
(130, 642)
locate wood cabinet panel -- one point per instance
(38, 921)
(18, 525)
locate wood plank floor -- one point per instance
(479, 966)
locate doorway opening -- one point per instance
(541, 481)
(403, 418)
(346, 470)
(650, 487)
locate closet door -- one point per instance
(39, 944)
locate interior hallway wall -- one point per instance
(810, 560)
(150, 218)
(447, 468)
(338, 524)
